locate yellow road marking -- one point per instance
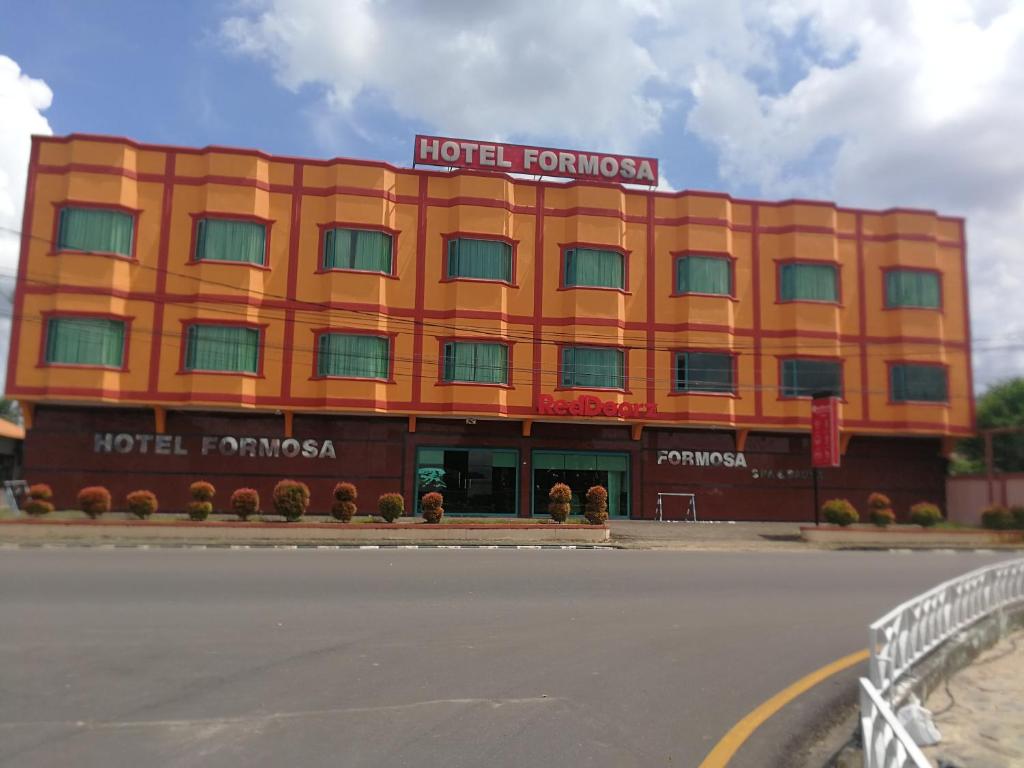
(723, 751)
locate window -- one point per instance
(704, 372)
(704, 274)
(918, 383)
(808, 282)
(85, 341)
(593, 367)
(481, 259)
(481, 363)
(353, 354)
(228, 348)
(580, 471)
(359, 249)
(243, 242)
(912, 288)
(803, 378)
(594, 268)
(95, 230)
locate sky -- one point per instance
(870, 103)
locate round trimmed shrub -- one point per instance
(142, 504)
(202, 491)
(291, 499)
(344, 506)
(199, 510)
(430, 506)
(94, 500)
(883, 517)
(840, 512)
(1018, 517)
(997, 517)
(40, 491)
(879, 501)
(925, 514)
(245, 502)
(596, 507)
(560, 502)
(391, 506)
(37, 507)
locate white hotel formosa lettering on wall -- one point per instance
(213, 445)
(729, 460)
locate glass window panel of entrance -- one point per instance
(473, 481)
(580, 471)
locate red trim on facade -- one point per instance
(780, 263)
(920, 364)
(862, 320)
(510, 372)
(56, 250)
(19, 286)
(649, 282)
(623, 252)
(755, 278)
(967, 326)
(421, 277)
(162, 259)
(260, 328)
(389, 335)
(677, 256)
(590, 345)
(734, 357)
(326, 226)
(61, 313)
(293, 281)
(885, 295)
(538, 293)
(198, 216)
(447, 237)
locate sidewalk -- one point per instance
(646, 534)
(980, 710)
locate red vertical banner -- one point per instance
(825, 432)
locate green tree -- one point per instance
(1000, 406)
(10, 410)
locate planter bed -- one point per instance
(236, 531)
(908, 536)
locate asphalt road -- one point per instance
(422, 658)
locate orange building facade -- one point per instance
(796, 283)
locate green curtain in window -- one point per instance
(808, 282)
(704, 274)
(85, 341)
(592, 267)
(593, 367)
(925, 383)
(912, 288)
(361, 249)
(222, 348)
(350, 354)
(484, 259)
(481, 363)
(803, 378)
(228, 240)
(95, 230)
(704, 372)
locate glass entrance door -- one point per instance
(580, 471)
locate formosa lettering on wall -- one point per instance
(588, 405)
(516, 158)
(207, 445)
(703, 459)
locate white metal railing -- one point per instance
(907, 634)
(886, 742)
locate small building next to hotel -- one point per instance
(227, 315)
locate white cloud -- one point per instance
(22, 100)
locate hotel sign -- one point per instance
(588, 405)
(212, 445)
(535, 161)
(825, 432)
